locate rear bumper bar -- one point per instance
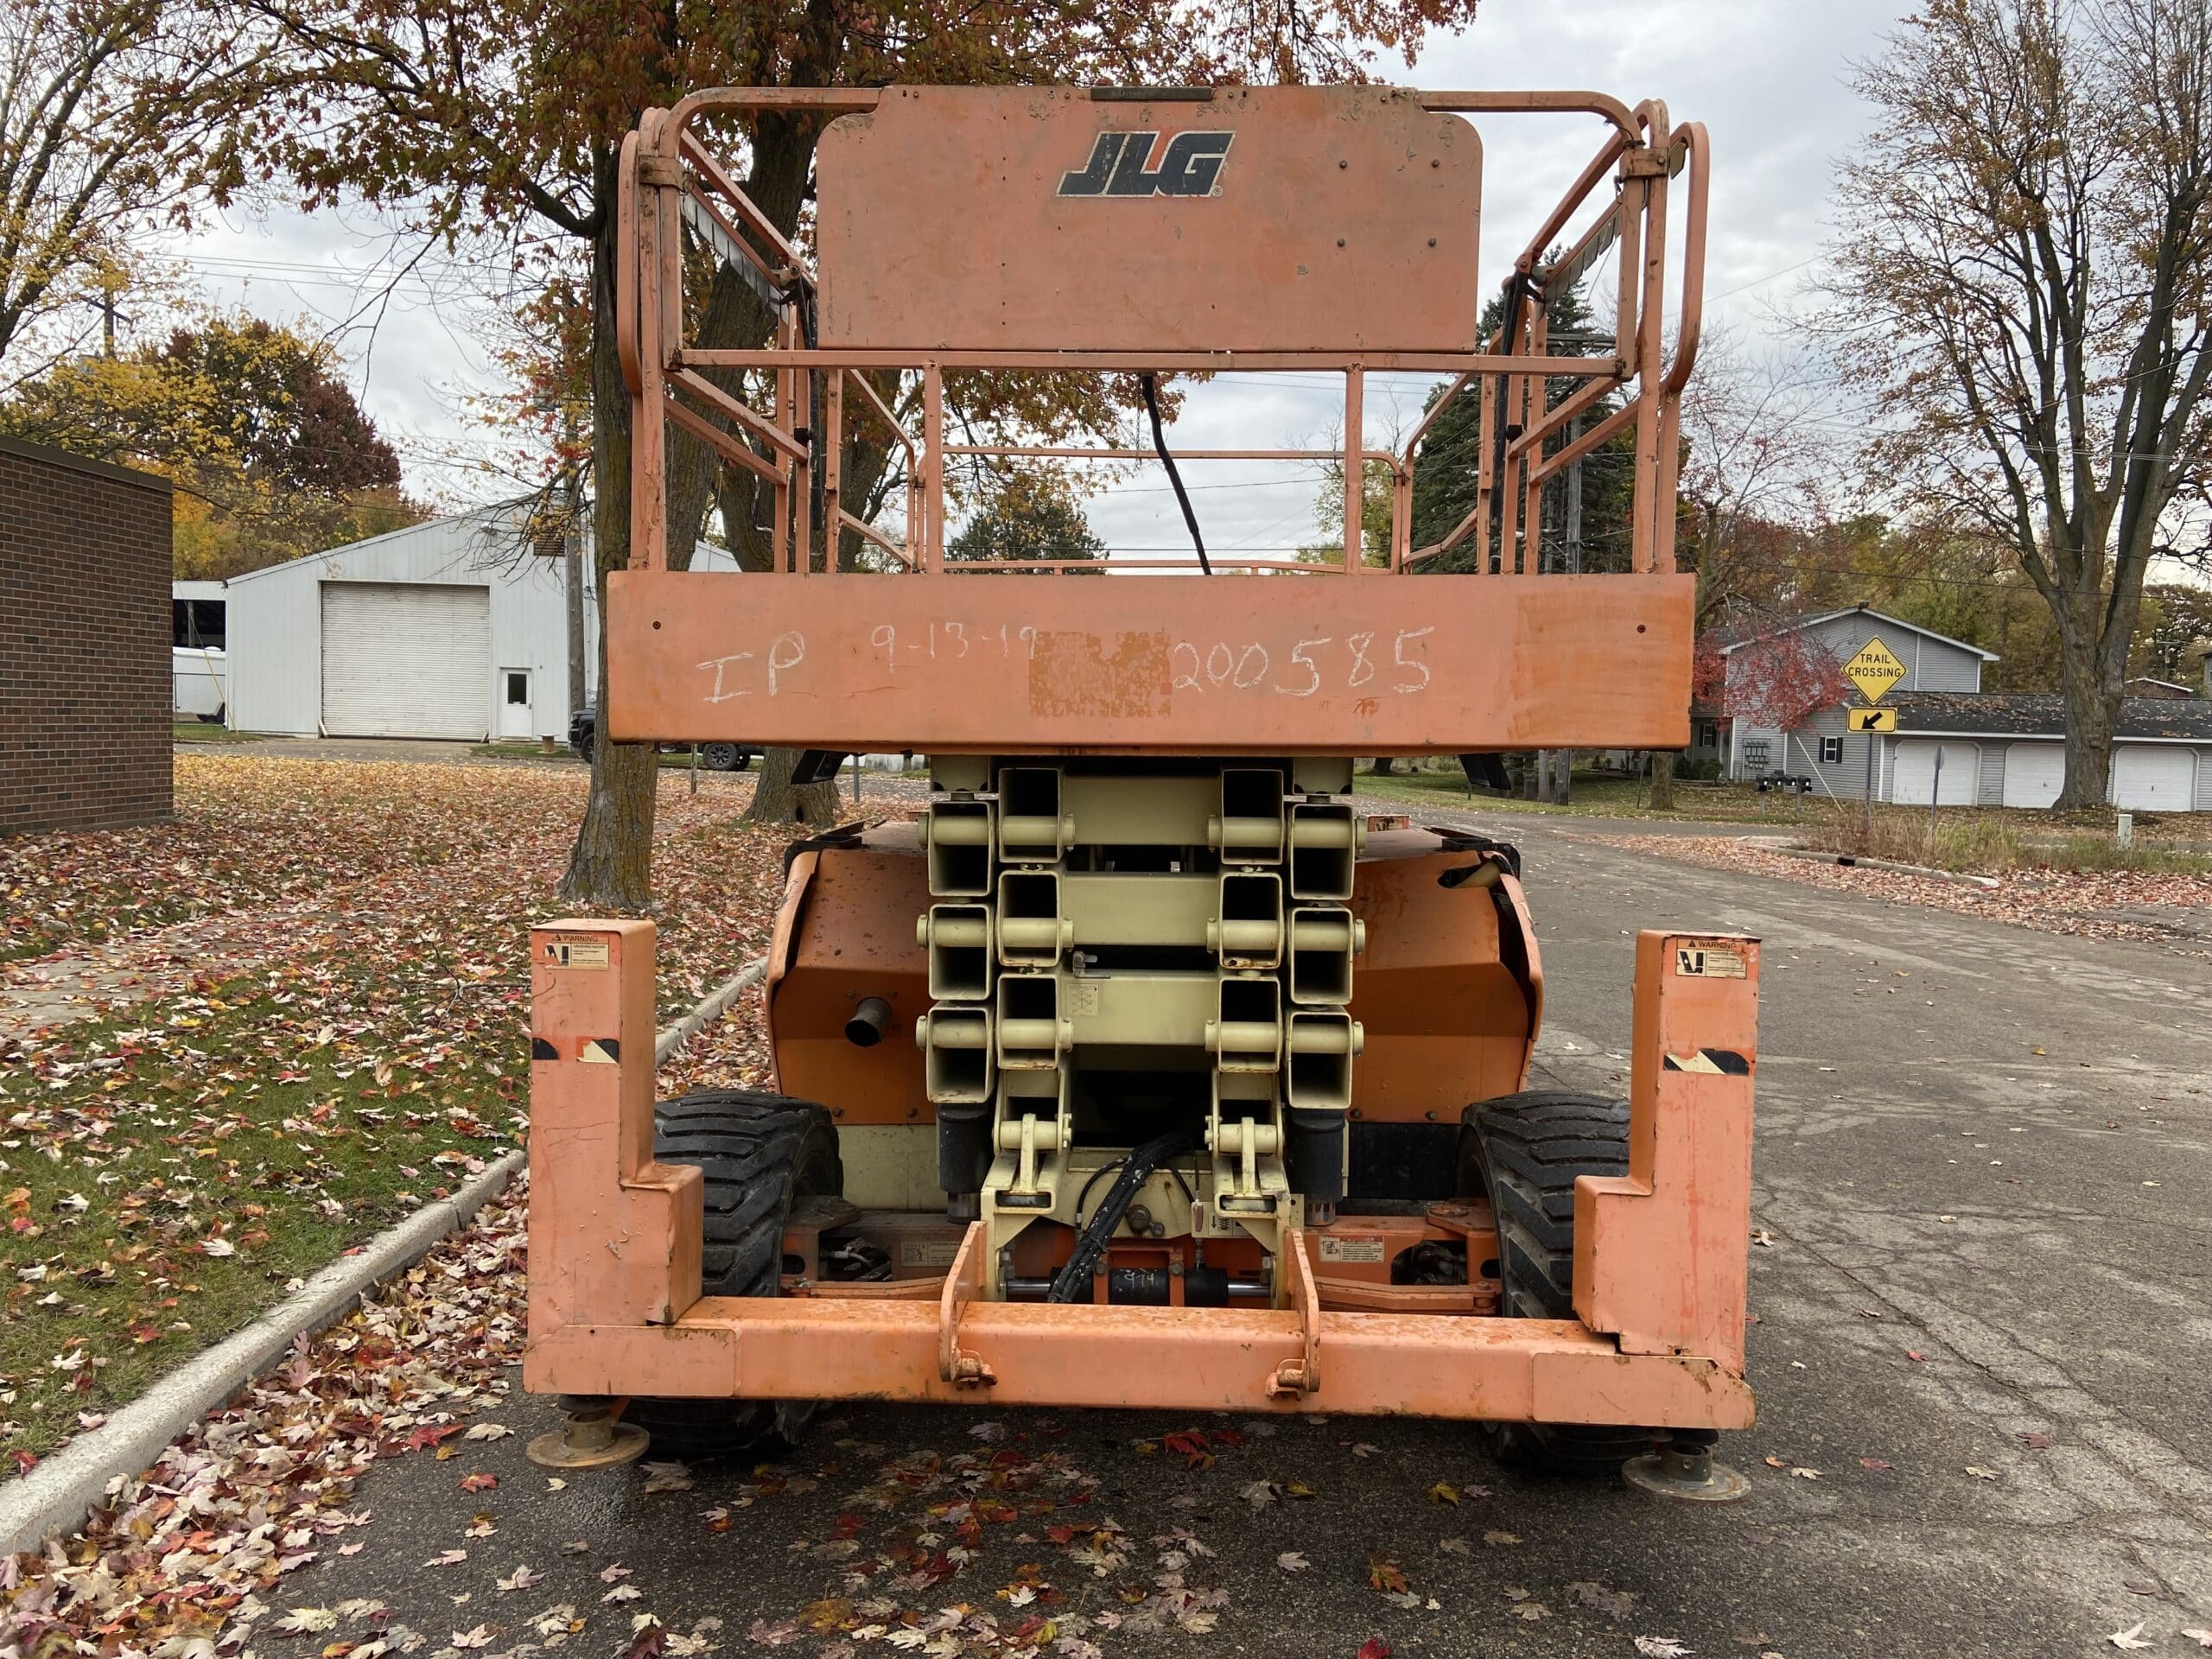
(1182, 1359)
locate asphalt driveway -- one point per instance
(1981, 1355)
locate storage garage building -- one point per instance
(456, 628)
(2008, 750)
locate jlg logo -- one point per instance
(1191, 166)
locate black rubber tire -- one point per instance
(1524, 1151)
(721, 757)
(758, 1153)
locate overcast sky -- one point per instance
(1768, 77)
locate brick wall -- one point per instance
(84, 689)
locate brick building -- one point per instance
(85, 691)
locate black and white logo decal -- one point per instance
(1191, 166)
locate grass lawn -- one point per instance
(1982, 839)
(203, 731)
(168, 1171)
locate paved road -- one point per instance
(1982, 1161)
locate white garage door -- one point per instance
(2148, 778)
(2034, 773)
(1914, 779)
(404, 660)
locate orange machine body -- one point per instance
(1052, 232)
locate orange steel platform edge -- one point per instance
(1153, 664)
(1659, 1272)
(962, 195)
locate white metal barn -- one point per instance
(2009, 750)
(454, 628)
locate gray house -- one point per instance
(1955, 745)
(1820, 748)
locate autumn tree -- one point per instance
(116, 117)
(468, 116)
(1031, 517)
(253, 423)
(1775, 676)
(2026, 291)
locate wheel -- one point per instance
(1524, 1152)
(759, 1153)
(580, 747)
(722, 757)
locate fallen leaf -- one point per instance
(1981, 1473)
(479, 1638)
(521, 1579)
(479, 1482)
(1374, 1648)
(1660, 1647)
(1386, 1576)
(667, 1478)
(1444, 1492)
(306, 1621)
(1614, 1604)
(2130, 1638)
(1291, 1561)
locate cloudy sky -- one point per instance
(1768, 77)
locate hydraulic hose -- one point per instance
(1159, 449)
(1072, 1281)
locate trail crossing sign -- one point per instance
(1873, 671)
(1870, 719)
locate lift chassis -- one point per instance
(1141, 1067)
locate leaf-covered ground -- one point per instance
(1007, 1535)
(309, 1000)
(2171, 910)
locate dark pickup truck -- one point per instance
(583, 736)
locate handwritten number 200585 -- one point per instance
(1248, 667)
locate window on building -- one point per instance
(1707, 738)
(517, 685)
(195, 623)
(1831, 751)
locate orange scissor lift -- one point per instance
(1140, 1069)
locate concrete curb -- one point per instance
(711, 1007)
(1986, 883)
(56, 1497)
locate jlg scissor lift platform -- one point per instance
(1139, 1071)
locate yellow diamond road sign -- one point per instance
(1874, 671)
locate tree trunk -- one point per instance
(610, 867)
(1663, 780)
(2092, 711)
(1384, 766)
(777, 800)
